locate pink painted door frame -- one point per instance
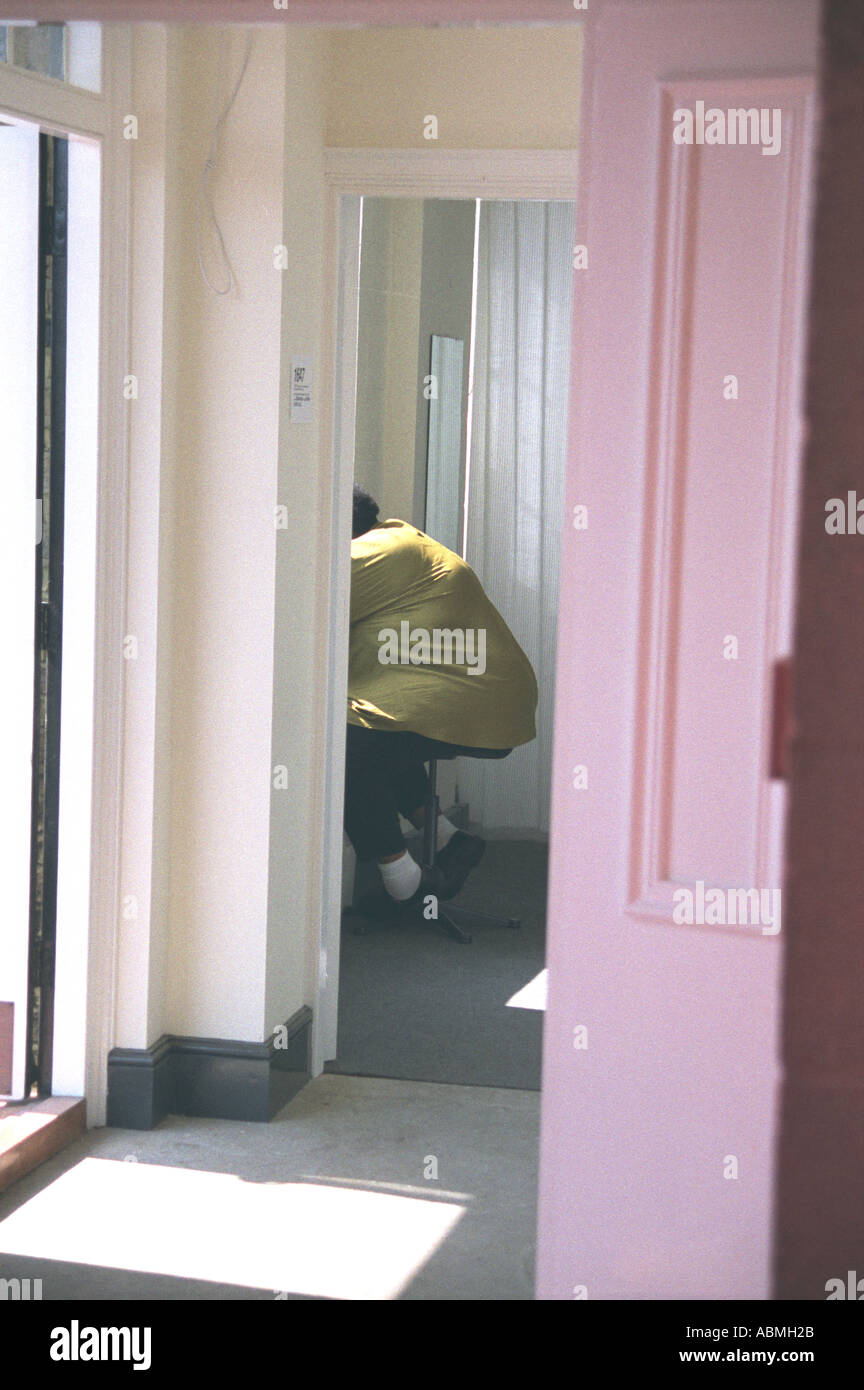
(318, 12)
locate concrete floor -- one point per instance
(335, 1198)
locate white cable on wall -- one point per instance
(209, 166)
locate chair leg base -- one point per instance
(454, 920)
(449, 927)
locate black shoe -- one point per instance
(444, 881)
(434, 883)
(460, 855)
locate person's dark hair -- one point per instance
(365, 512)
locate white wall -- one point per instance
(298, 739)
(210, 450)
(490, 88)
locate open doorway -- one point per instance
(49, 329)
(462, 332)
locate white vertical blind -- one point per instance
(516, 483)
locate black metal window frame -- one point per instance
(50, 476)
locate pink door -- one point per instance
(661, 1043)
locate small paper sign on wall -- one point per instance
(301, 390)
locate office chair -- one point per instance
(451, 920)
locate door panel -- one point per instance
(660, 1057)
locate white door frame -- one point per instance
(377, 173)
(61, 109)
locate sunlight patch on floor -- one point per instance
(532, 995)
(302, 1238)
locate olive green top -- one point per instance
(428, 651)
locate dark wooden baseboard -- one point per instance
(212, 1078)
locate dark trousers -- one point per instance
(385, 776)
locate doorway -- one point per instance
(461, 340)
(49, 233)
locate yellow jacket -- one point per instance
(428, 651)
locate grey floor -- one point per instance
(360, 1188)
(415, 1004)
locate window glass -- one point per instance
(67, 52)
(39, 48)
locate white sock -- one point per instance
(446, 831)
(401, 876)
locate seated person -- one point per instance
(433, 672)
